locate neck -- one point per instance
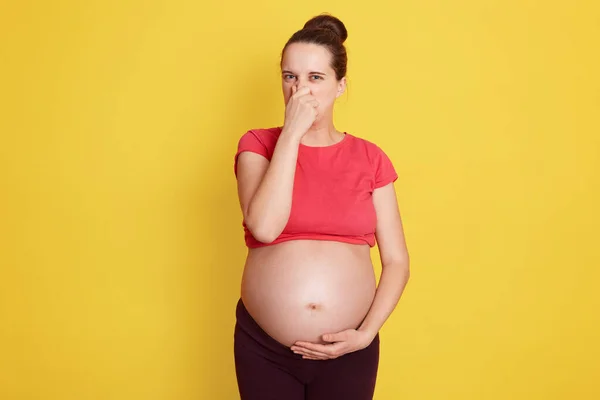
(322, 133)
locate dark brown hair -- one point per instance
(328, 31)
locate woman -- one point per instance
(314, 200)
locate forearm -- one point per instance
(392, 282)
(269, 209)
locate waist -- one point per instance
(320, 250)
(368, 238)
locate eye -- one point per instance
(317, 76)
(287, 76)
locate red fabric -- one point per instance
(333, 187)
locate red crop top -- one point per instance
(333, 187)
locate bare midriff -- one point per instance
(302, 289)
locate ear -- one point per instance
(341, 87)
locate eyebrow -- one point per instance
(310, 73)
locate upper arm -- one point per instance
(251, 168)
(389, 231)
(250, 165)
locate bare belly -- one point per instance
(301, 289)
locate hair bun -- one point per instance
(327, 21)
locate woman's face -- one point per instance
(308, 65)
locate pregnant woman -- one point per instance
(314, 201)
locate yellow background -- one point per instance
(121, 245)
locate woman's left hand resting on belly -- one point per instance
(342, 342)
(394, 276)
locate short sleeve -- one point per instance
(250, 141)
(385, 172)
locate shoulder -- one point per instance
(370, 148)
(267, 136)
(381, 165)
(259, 140)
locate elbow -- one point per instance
(403, 268)
(263, 234)
(266, 238)
(406, 267)
(265, 229)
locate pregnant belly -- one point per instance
(299, 290)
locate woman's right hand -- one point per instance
(301, 112)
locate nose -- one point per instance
(299, 85)
(300, 82)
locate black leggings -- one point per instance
(269, 370)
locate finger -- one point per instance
(303, 351)
(318, 355)
(323, 348)
(314, 358)
(294, 89)
(336, 337)
(307, 99)
(311, 353)
(302, 91)
(327, 349)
